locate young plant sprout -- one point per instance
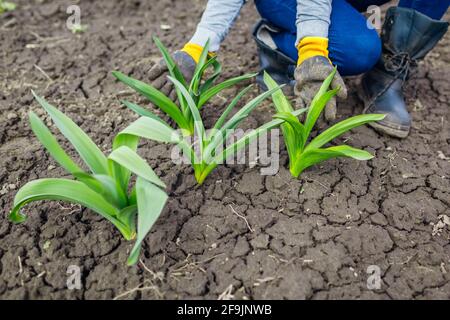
(200, 92)
(105, 189)
(296, 134)
(207, 151)
(79, 28)
(7, 6)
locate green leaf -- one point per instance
(156, 97)
(241, 143)
(121, 174)
(7, 6)
(171, 65)
(141, 111)
(324, 86)
(317, 105)
(218, 136)
(290, 143)
(105, 186)
(216, 73)
(198, 122)
(195, 89)
(296, 137)
(293, 144)
(68, 191)
(342, 127)
(279, 99)
(149, 128)
(315, 156)
(128, 216)
(87, 149)
(211, 92)
(293, 141)
(132, 198)
(246, 109)
(144, 127)
(150, 201)
(234, 148)
(133, 162)
(90, 181)
(351, 152)
(175, 72)
(202, 64)
(51, 144)
(255, 133)
(228, 109)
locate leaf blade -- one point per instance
(104, 185)
(149, 128)
(219, 123)
(317, 105)
(282, 106)
(279, 99)
(295, 138)
(141, 111)
(222, 134)
(342, 127)
(216, 73)
(174, 71)
(242, 142)
(50, 143)
(315, 156)
(86, 148)
(150, 201)
(129, 159)
(202, 64)
(211, 92)
(68, 191)
(156, 97)
(198, 122)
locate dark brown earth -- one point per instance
(311, 238)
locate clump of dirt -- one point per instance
(240, 235)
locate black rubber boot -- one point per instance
(280, 67)
(407, 36)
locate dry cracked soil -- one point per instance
(241, 235)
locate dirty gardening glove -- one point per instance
(186, 59)
(313, 68)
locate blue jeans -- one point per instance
(353, 47)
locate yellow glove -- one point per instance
(195, 50)
(312, 46)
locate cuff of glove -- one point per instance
(310, 47)
(195, 51)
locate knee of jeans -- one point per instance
(261, 6)
(365, 52)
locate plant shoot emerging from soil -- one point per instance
(105, 189)
(296, 134)
(7, 6)
(79, 28)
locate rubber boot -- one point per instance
(279, 66)
(407, 36)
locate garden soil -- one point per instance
(241, 235)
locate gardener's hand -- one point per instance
(312, 69)
(186, 59)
